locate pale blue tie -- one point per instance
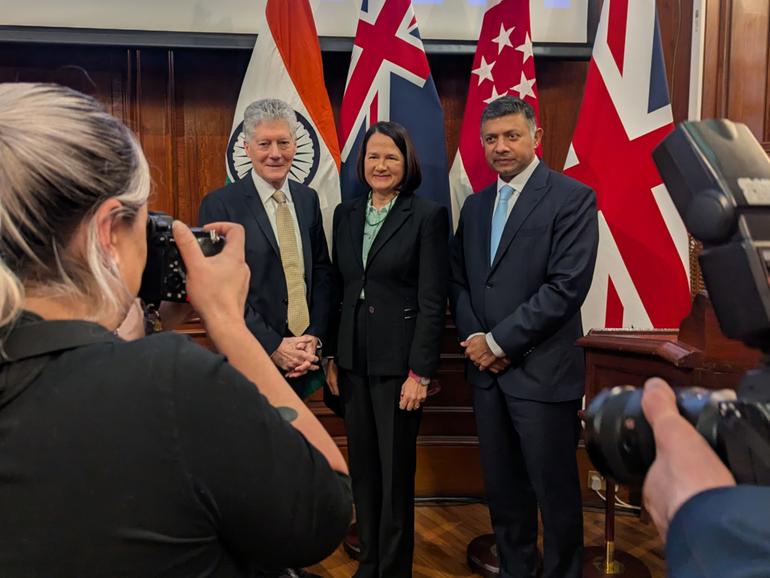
(498, 220)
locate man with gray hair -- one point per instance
(290, 288)
(522, 262)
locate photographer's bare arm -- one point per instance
(684, 465)
(220, 305)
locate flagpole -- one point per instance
(605, 560)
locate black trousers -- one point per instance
(382, 453)
(528, 460)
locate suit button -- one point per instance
(371, 309)
(285, 300)
(489, 285)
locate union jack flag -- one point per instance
(642, 273)
(389, 79)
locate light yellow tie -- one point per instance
(297, 313)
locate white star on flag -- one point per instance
(484, 71)
(526, 48)
(524, 88)
(505, 26)
(494, 95)
(504, 38)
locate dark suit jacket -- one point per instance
(530, 297)
(405, 280)
(721, 533)
(267, 302)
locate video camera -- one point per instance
(719, 179)
(164, 277)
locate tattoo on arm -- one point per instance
(288, 413)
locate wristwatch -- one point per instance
(424, 381)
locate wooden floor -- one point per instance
(443, 533)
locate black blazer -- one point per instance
(530, 297)
(405, 281)
(266, 305)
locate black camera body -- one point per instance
(718, 176)
(164, 277)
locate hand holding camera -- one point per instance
(684, 463)
(217, 286)
(165, 277)
(195, 265)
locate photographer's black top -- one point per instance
(155, 458)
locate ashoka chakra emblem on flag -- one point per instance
(305, 164)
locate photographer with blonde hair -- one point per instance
(152, 457)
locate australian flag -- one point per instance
(389, 79)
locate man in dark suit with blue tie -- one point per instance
(287, 308)
(522, 262)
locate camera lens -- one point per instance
(619, 440)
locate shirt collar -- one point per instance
(265, 190)
(386, 208)
(519, 181)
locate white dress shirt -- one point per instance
(517, 183)
(266, 191)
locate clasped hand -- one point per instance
(296, 355)
(477, 350)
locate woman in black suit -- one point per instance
(390, 252)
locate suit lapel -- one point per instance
(303, 221)
(254, 203)
(357, 217)
(529, 198)
(401, 211)
(488, 196)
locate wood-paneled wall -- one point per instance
(180, 102)
(737, 64)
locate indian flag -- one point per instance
(286, 64)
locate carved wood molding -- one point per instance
(451, 441)
(661, 344)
